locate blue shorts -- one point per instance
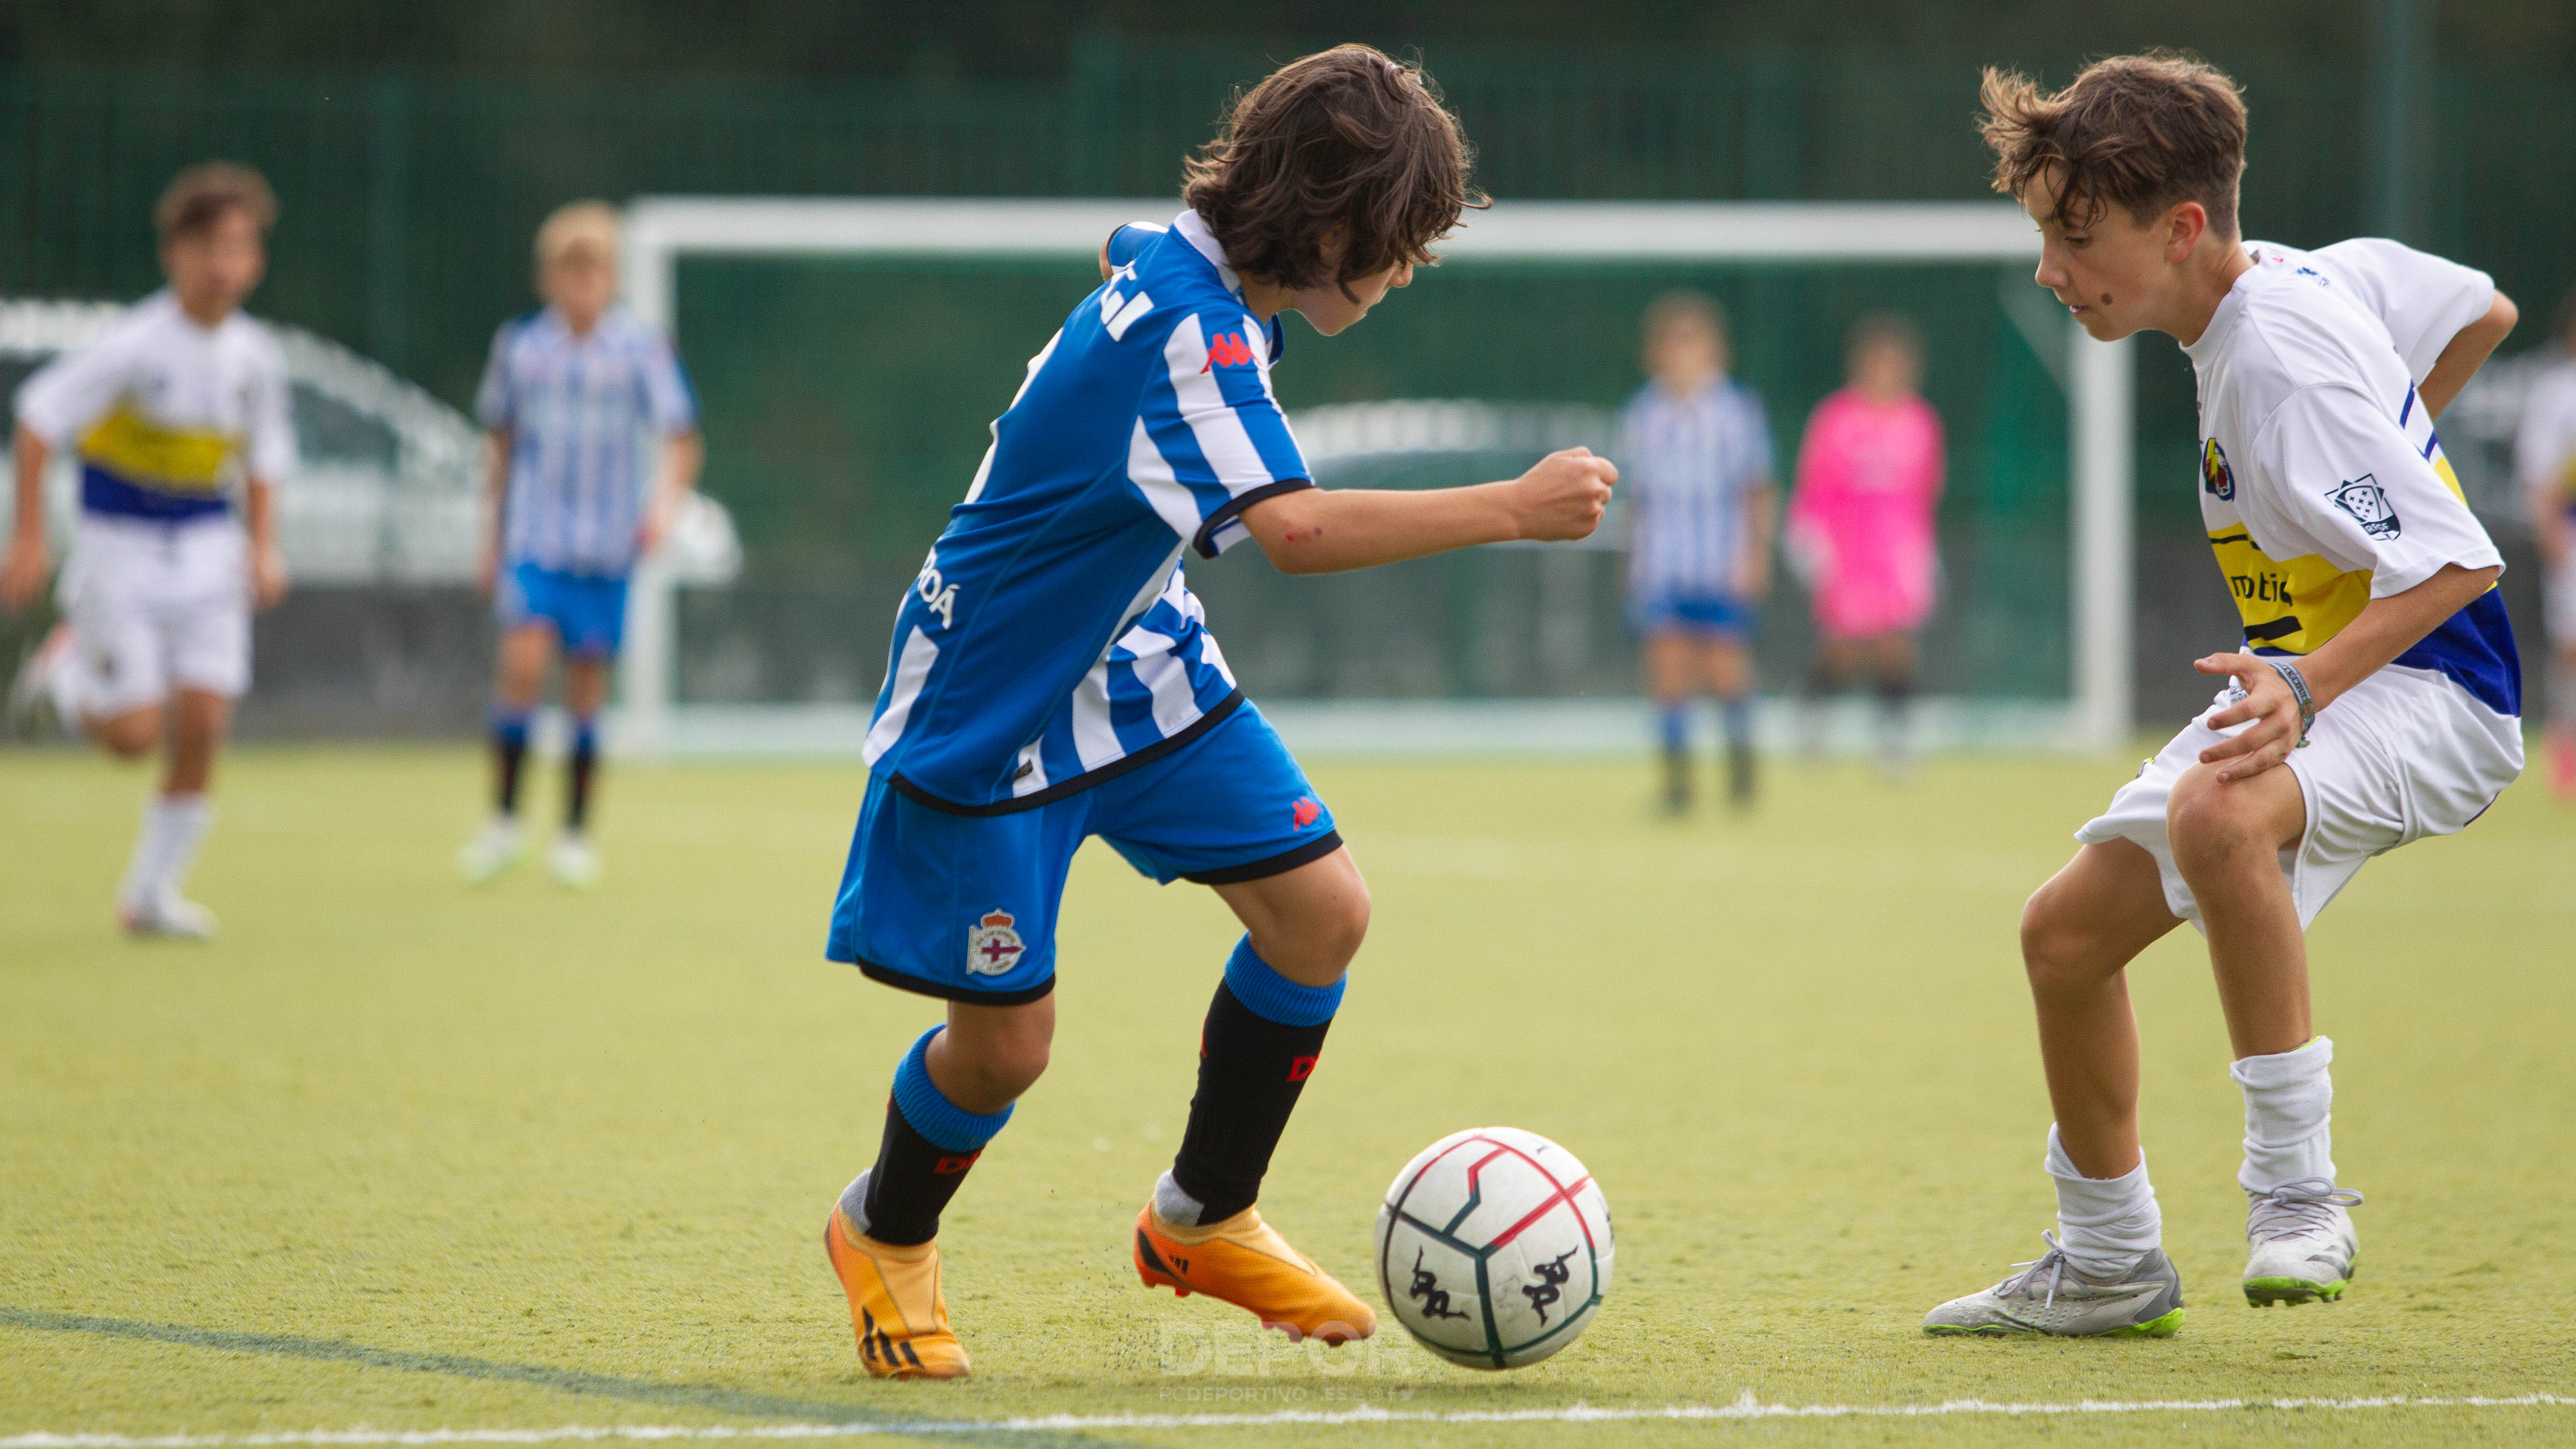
(587, 610)
(1714, 616)
(964, 906)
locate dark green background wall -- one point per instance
(416, 146)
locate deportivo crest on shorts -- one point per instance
(2215, 475)
(992, 947)
(2367, 502)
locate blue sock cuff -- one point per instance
(585, 735)
(1738, 715)
(1273, 997)
(509, 727)
(929, 1110)
(1674, 722)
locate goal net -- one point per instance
(849, 354)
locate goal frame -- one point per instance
(662, 230)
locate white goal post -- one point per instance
(661, 230)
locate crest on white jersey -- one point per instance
(2367, 502)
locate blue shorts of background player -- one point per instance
(588, 611)
(1712, 616)
(964, 906)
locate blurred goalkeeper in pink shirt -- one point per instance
(1860, 525)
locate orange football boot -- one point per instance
(1244, 1262)
(896, 1307)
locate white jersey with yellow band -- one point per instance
(165, 415)
(2323, 487)
(2322, 480)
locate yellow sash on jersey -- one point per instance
(2296, 605)
(149, 455)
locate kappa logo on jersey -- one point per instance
(2215, 475)
(992, 947)
(1228, 349)
(1306, 811)
(2367, 502)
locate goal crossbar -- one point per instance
(661, 230)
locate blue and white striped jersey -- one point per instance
(582, 412)
(1685, 465)
(1050, 641)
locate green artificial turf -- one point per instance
(399, 1154)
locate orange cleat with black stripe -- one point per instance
(896, 1308)
(1244, 1262)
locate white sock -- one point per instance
(2105, 1224)
(173, 827)
(2287, 1133)
(1175, 1206)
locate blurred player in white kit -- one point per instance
(2544, 458)
(179, 415)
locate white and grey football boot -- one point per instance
(165, 912)
(2300, 1243)
(2051, 1297)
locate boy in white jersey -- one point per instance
(2544, 459)
(2378, 667)
(179, 415)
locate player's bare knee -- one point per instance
(129, 736)
(2214, 824)
(2055, 943)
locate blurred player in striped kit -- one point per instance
(2544, 457)
(572, 393)
(1860, 524)
(1697, 454)
(180, 417)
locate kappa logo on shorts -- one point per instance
(1306, 811)
(2367, 502)
(1228, 349)
(992, 947)
(2216, 477)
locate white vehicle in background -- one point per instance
(389, 488)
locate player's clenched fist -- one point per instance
(1562, 495)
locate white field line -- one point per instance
(1746, 1407)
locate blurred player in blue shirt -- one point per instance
(577, 397)
(1697, 452)
(1052, 678)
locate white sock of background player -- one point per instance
(173, 827)
(2105, 1225)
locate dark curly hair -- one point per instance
(1346, 141)
(2138, 131)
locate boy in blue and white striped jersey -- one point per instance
(1700, 512)
(572, 395)
(1052, 678)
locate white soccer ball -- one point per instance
(1494, 1247)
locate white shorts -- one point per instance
(2558, 596)
(2404, 754)
(157, 607)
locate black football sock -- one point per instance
(1263, 1036)
(1738, 715)
(1673, 725)
(584, 767)
(509, 757)
(1895, 702)
(929, 1144)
